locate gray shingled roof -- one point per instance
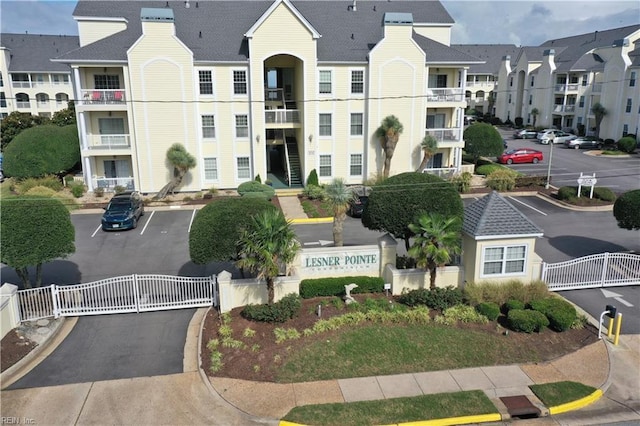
(440, 53)
(214, 30)
(492, 215)
(32, 52)
(491, 54)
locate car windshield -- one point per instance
(511, 151)
(119, 206)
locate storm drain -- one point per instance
(519, 406)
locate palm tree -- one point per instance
(429, 146)
(182, 162)
(534, 113)
(389, 133)
(338, 195)
(599, 111)
(267, 246)
(437, 239)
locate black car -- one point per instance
(123, 211)
(358, 202)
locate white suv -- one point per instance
(555, 136)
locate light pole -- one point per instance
(546, 186)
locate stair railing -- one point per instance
(286, 162)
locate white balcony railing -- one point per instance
(564, 108)
(109, 141)
(445, 95)
(445, 134)
(23, 84)
(444, 172)
(282, 116)
(23, 104)
(567, 87)
(103, 97)
(109, 184)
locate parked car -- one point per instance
(556, 136)
(525, 134)
(584, 142)
(359, 201)
(522, 155)
(123, 211)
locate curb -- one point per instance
(311, 220)
(452, 421)
(577, 404)
(558, 203)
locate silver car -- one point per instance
(584, 142)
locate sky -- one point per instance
(519, 22)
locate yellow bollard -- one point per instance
(618, 326)
(610, 328)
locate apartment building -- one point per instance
(29, 81)
(563, 78)
(271, 88)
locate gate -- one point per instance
(596, 270)
(132, 293)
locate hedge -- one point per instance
(601, 193)
(318, 287)
(560, 313)
(280, 311)
(254, 186)
(527, 321)
(489, 309)
(627, 144)
(487, 169)
(438, 298)
(626, 210)
(512, 304)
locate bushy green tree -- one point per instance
(402, 199)
(482, 140)
(66, 116)
(33, 231)
(313, 178)
(42, 150)
(627, 144)
(626, 210)
(15, 123)
(217, 228)
(182, 162)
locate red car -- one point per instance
(522, 155)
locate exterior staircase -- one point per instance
(295, 178)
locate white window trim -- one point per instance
(351, 124)
(202, 137)
(237, 170)
(246, 76)
(332, 71)
(327, 178)
(361, 154)
(503, 274)
(364, 82)
(204, 170)
(235, 127)
(332, 125)
(213, 82)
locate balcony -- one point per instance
(567, 87)
(21, 84)
(23, 104)
(564, 108)
(103, 97)
(445, 95)
(282, 116)
(109, 184)
(451, 134)
(106, 142)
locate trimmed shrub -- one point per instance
(487, 169)
(258, 178)
(254, 186)
(335, 286)
(627, 144)
(568, 193)
(438, 298)
(560, 313)
(482, 140)
(312, 179)
(77, 190)
(489, 309)
(501, 292)
(512, 304)
(462, 181)
(280, 311)
(314, 192)
(527, 321)
(501, 180)
(626, 210)
(604, 194)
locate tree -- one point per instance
(389, 133)
(534, 113)
(65, 117)
(437, 238)
(13, 124)
(599, 111)
(42, 150)
(402, 199)
(338, 196)
(33, 231)
(482, 140)
(626, 210)
(267, 246)
(429, 146)
(218, 226)
(182, 162)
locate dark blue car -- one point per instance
(123, 211)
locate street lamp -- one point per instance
(546, 186)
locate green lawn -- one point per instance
(558, 393)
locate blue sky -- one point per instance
(520, 22)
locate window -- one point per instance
(62, 98)
(585, 79)
(60, 79)
(211, 169)
(206, 82)
(437, 80)
(510, 81)
(3, 100)
(357, 81)
(625, 130)
(22, 100)
(581, 102)
(480, 95)
(325, 165)
(355, 165)
(509, 101)
(629, 102)
(106, 82)
(240, 82)
(325, 124)
(1, 80)
(324, 82)
(208, 127)
(632, 79)
(504, 260)
(42, 98)
(243, 168)
(242, 126)
(532, 80)
(356, 124)
(530, 99)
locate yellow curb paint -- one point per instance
(574, 405)
(495, 417)
(312, 220)
(286, 423)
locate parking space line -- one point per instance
(527, 205)
(147, 223)
(193, 215)
(96, 231)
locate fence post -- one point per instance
(55, 294)
(136, 292)
(212, 290)
(605, 264)
(543, 272)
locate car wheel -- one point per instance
(142, 212)
(509, 161)
(535, 161)
(576, 147)
(599, 146)
(135, 223)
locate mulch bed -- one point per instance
(13, 348)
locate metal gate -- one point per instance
(132, 293)
(597, 270)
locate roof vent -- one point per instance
(623, 42)
(152, 14)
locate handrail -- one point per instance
(286, 162)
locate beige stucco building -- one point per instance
(270, 88)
